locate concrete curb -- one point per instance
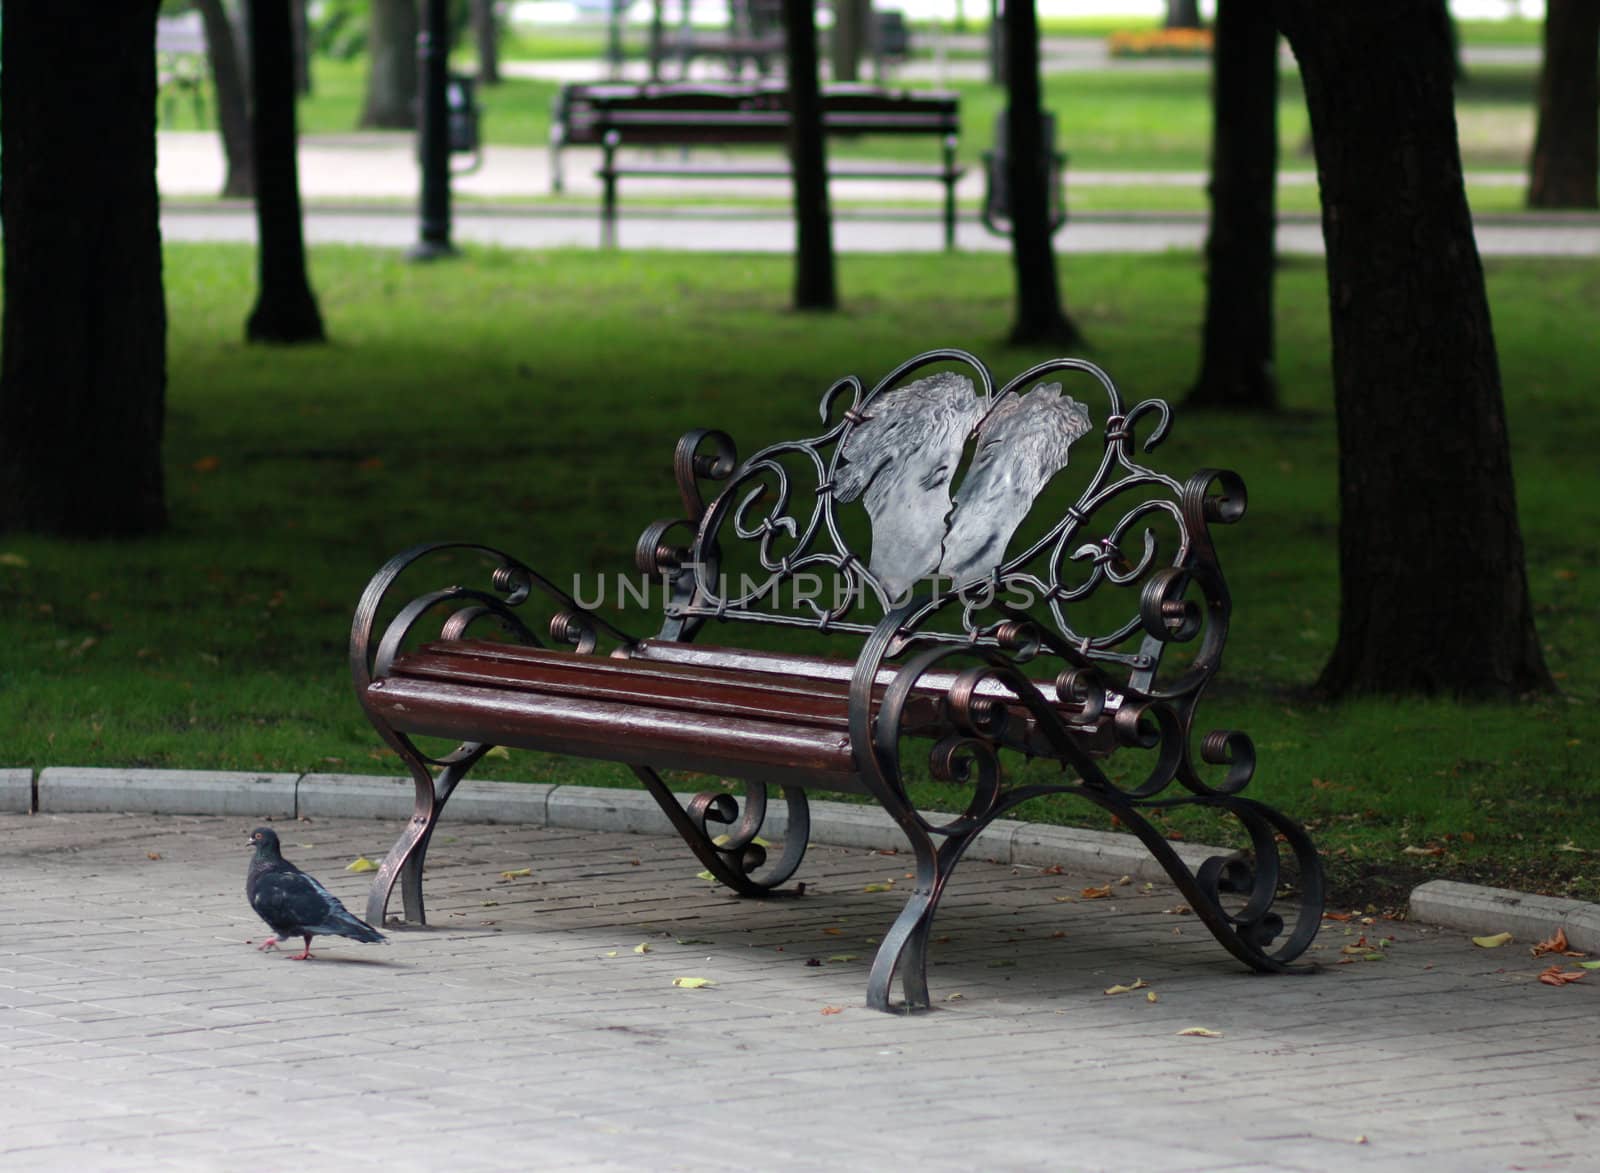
(59, 790)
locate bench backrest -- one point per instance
(586, 113)
(946, 501)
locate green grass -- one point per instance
(1114, 119)
(530, 401)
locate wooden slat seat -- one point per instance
(746, 714)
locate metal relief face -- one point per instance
(902, 459)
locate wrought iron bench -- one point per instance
(1022, 616)
(614, 117)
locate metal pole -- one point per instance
(433, 134)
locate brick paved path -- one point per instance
(523, 1030)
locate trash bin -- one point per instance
(461, 100)
(996, 215)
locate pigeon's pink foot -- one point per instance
(306, 956)
(269, 943)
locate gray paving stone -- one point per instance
(164, 1041)
(179, 792)
(16, 791)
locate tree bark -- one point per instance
(1566, 146)
(1236, 366)
(813, 254)
(1433, 590)
(1041, 320)
(286, 309)
(486, 35)
(83, 377)
(1184, 14)
(233, 108)
(391, 101)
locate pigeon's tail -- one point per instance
(343, 923)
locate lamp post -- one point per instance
(433, 134)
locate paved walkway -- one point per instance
(524, 1030)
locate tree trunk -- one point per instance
(849, 38)
(1041, 320)
(1433, 591)
(391, 102)
(813, 255)
(1236, 366)
(285, 309)
(300, 30)
(84, 372)
(1185, 14)
(233, 108)
(486, 34)
(1566, 147)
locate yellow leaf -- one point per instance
(1589, 965)
(1493, 942)
(1138, 984)
(1201, 1032)
(642, 947)
(833, 1009)
(878, 888)
(692, 983)
(705, 875)
(361, 864)
(613, 953)
(1150, 996)
(843, 957)
(498, 751)
(10, 559)
(1099, 892)
(516, 873)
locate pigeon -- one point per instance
(294, 904)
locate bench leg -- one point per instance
(404, 862)
(737, 861)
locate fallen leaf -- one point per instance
(1554, 944)
(1569, 845)
(832, 932)
(516, 873)
(642, 947)
(1337, 915)
(1178, 910)
(612, 953)
(1096, 893)
(361, 864)
(1201, 1032)
(692, 983)
(10, 559)
(1556, 976)
(705, 875)
(1138, 984)
(693, 941)
(1589, 965)
(1065, 899)
(1493, 942)
(843, 957)
(498, 751)
(371, 464)
(954, 997)
(1432, 850)
(833, 1009)
(1150, 996)
(152, 855)
(878, 888)
(207, 464)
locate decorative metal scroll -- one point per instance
(938, 527)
